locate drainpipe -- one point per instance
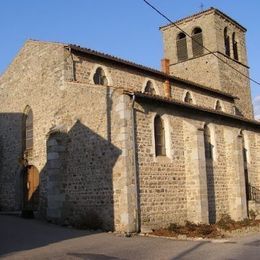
(137, 225)
(165, 66)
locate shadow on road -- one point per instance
(18, 234)
(94, 256)
(186, 252)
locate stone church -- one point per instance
(88, 135)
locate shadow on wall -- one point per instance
(79, 184)
(76, 185)
(10, 156)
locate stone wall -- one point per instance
(98, 179)
(99, 172)
(34, 79)
(118, 77)
(161, 179)
(199, 98)
(197, 191)
(238, 85)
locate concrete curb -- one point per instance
(195, 239)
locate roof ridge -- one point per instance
(146, 68)
(201, 108)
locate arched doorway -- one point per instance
(30, 188)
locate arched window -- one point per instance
(182, 52)
(197, 42)
(188, 98)
(235, 49)
(149, 88)
(226, 42)
(159, 134)
(218, 106)
(207, 143)
(100, 77)
(29, 129)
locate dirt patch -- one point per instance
(190, 230)
(225, 227)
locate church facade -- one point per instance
(86, 135)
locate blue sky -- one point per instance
(124, 28)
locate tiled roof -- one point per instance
(211, 9)
(149, 70)
(175, 102)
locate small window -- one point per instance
(207, 143)
(197, 42)
(235, 48)
(218, 106)
(100, 77)
(149, 88)
(182, 52)
(226, 42)
(159, 133)
(188, 98)
(29, 130)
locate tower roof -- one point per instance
(208, 11)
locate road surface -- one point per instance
(33, 239)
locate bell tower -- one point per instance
(224, 37)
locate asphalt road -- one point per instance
(33, 239)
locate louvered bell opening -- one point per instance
(235, 51)
(227, 46)
(197, 45)
(182, 49)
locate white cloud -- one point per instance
(257, 99)
(256, 104)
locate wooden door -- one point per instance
(31, 188)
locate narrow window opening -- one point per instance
(29, 130)
(245, 166)
(218, 106)
(188, 98)
(149, 88)
(100, 77)
(159, 133)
